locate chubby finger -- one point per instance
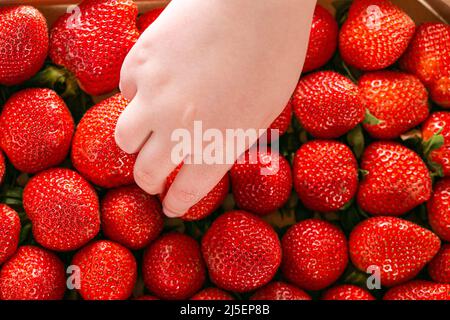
(153, 165)
(133, 127)
(127, 84)
(193, 182)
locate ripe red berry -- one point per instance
(94, 42)
(280, 291)
(131, 217)
(327, 104)
(208, 204)
(242, 252)
(419, 290)
(375, 34)
(145, 20)
(108, 271)
(323, 39)
(439, 209)
(95, 153)
(9, 232)
(261, 181)
(32, 274)
(428, 57)
(315, 254)
(439, 123)
(325, 175)
(36, 128)
(398, 248)
(212, 294)
(2, 167)
(23, 44)
(398, 100)
(396, 182)
(439, 267)
(282, 122)
(173, 267)
(347, 292)
(63, 208)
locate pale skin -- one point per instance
(231, 64)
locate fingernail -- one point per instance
(171, 214)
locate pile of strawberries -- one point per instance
(359, 208)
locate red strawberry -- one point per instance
(32, 274)
(144, 21)
(375, 34)
(322, 39)
(325, 175)
(347, 292)
(23, 44)
(397, 179)
(108, 271)
(439, 209)
(9, 232)
(242, 252)
(282, 122)
(280, 291)
(261, 181)
(131, 217)
(95, 153)
(428, 57)
(315, 254)
(2, 167)
(208, 204)
(173, 267)
(439, 122)
(212, 294)
(63, 208)
(36, 128)
(398, 100)
(94, 42)
(439, 267)
(399, 248)
(327, 104)
(419, 290)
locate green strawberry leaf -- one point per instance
(434, 143)
(370, 119)
(355, 139)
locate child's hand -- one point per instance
(231, 64)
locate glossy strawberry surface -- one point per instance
(439, 123)
(145, 20)
(439, 209)
(9, 232)
(282, 122)
(280, 291)
(388, 243)
(419, 290)
(212, 294)
(2, 167)
(347, 292)
(439, 267)
(36, 129)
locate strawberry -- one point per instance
(23, 44)
(282, 122)
(261, 181)
(9, 232)
(398, 100)
(212, 294)
(439, 209)
(94, 43)
(419, 290)
(439, 267)
(428, 57)
(315, 254)
(242, 252)
(32, 274)
(108, 271)
(63, 208)
(325, 175)
(205, 206)
(396, 182)
(390, 243)
(36, 128)
(375, 34)
(131, 217)
(173, 267)
(95, 153)
(439, 123)
(322, 39)
(327, 104)
(2, 167)
(280, 291)
(144, 21)
(347, 292)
